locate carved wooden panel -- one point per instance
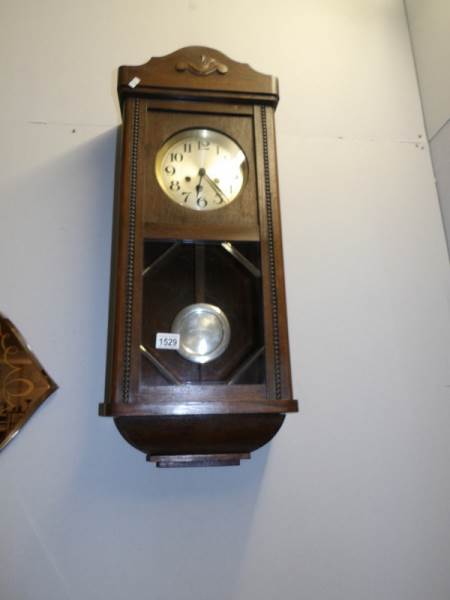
(24, 384)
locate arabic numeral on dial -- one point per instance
(202, 202)
(187, 147)
(176, 157)
(203, 144)
(170, 169)
(186, 196)
(175, 185)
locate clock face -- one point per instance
(201, 169)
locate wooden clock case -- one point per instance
(166, 257)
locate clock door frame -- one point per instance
(128, 289)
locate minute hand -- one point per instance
(215, 187)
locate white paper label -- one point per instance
(133, 83)
(167, 341)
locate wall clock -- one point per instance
(198, 358)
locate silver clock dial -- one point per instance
(201, 169)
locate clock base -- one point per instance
(198, 460)
(198, 440)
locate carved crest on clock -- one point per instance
(206, 66)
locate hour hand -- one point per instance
(199, 187)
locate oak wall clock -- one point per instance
(198, 359)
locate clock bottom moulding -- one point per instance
(198, 440)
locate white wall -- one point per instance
(350, 501)
(429, 24)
